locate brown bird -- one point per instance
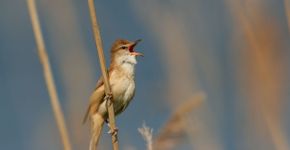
(121, 78)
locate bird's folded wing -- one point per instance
(100, 82)
(96, 99)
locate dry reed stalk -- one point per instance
(174, 130)
(98, 42)
(58, 114)
(262, 73)
(147, 134)
(76, 77)
(287, 11)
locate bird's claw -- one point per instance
(113, 132)
(109, 96)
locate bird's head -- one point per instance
(123, 51)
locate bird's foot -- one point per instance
(113, 131)
(109, 96)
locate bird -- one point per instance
(121, 75)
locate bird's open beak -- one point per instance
(137, 54)
(132, 51)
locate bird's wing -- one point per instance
(100, 82)
(96, 99)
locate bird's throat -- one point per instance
(125, 65)
(128, 68)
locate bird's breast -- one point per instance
(123, 89)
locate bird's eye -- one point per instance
(123, 47)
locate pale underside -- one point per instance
(122, 83)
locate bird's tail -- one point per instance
(86, 115)
(96, 129)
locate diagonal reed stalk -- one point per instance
(172, 133)
(98, 42)
(58, 114)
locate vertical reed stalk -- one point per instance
(263, 72)
(98, 42)
(287, 11)
(58, 114)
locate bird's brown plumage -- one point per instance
(99, 93)
(95, 100)
(121, 78)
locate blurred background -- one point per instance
(215, 75)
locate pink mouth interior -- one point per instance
(131, 48)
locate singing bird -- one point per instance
(121, 78)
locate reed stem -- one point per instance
(98, 42)
(58, 114)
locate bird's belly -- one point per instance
(123, 92)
